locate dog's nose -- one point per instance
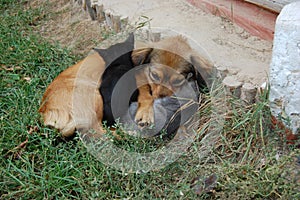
(161, 91)
(162, 95)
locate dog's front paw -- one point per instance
(144, 116)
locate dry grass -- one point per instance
(66, 22)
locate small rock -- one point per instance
(233, 86)
(248, 93)
(234, 71)
(223, 71)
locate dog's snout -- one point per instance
(161, 91)
(162, 95)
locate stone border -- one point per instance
(97, 12)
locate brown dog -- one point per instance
(73, 101)
(57, 106)
(168, 64)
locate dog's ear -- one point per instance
(115, 51)
(204, 70)
(130, 40)
(141, 56)
(103, 53)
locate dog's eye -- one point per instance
(189, 75)
(178, 82)
(154, 76)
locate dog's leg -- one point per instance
(145, 114)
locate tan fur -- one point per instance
(68, 104)
(173, 52)
(72, 101)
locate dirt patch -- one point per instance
(231, 48)
(67, 23)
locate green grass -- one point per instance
(243, 158)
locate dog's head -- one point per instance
(170, 63)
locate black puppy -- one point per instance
(118, 62)
(115, 90)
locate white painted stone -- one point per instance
(223, 71)
(248, 93)
(285, 68)
(232, 86)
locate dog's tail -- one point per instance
(59, 119)
(74, 95)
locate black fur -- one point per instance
(118, 61)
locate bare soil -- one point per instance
(232, 49)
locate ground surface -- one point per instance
(229, 46)
(69, 25)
